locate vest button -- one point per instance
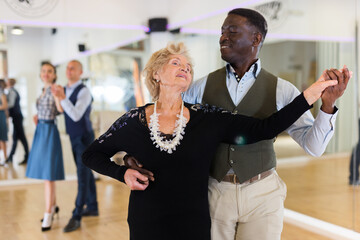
(231, 161)
(232, 149)
(235, 111)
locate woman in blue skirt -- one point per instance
(45, 159)
(3, 126)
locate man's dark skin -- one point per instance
(240, 44)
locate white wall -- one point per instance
(205, 52)
(330, 18)
(64, 44)
(24, 59)
(136, 12)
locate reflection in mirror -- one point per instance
(318, 186)
(113, 82)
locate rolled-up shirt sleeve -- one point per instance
(313, 135)
(75, 112)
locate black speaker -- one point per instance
(81, 47)
(158, 24)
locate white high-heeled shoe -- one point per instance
(54, 211)
(47, 221)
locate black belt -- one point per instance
(46, 121)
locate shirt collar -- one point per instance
(253, 71)
(74, 85)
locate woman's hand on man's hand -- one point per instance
(135, 180)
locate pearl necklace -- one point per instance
(167, 145)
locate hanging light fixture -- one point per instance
(17, 30)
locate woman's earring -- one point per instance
(157, 80)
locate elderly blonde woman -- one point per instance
(176, 141)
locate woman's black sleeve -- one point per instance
(240, 129)
(97, 155)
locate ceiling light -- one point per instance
(17, 31)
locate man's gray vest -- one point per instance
(246, 160)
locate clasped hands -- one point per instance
(58, 91)
(136, 177)
(332, 93)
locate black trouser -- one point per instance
(19, 134)
(86, 183)
(354, 163)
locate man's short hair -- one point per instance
(254, 18)
(12, 81)
(78, 62)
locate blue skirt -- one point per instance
(3, 126)
(45, 159)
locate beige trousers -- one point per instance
(247, 212)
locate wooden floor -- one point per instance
(317, 188)
(21, 209)
(291, 232)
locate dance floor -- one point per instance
(317, 187)
(21, 209)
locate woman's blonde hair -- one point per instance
(157, 61)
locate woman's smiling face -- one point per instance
(47, 74)
(175, 73)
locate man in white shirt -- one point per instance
(76, 99)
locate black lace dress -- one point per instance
(175, 205)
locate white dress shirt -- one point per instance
(75, 112)
(312, 135)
